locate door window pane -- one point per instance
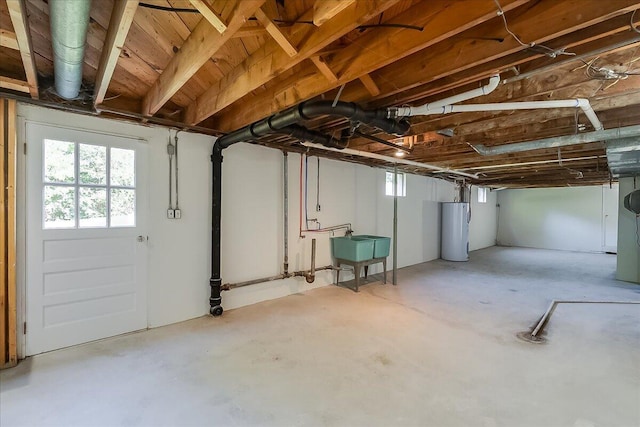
(93, 164)
(93, 207)
(59, 161)
(59, 207)
(123, 167)
(123, 208)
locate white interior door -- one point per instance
(86, 239)
(610, 218)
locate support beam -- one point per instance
(324, 69)
(119, 24)
(249, 32)
(14, 84)
(324, 10)
(18, 14)
(441, 20)
(8, 39)
(275, 32)
(210, 15)
(370, 85)
(201, 45)
(270, 61)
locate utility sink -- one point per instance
(352, 248)
(381, 245)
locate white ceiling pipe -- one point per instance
(527, 105)
(559, 141)
(436, 107)
(537, 162)
(391, 160)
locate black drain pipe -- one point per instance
(283, 123)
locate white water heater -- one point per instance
(455, 231)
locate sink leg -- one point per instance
(384, 268)
(366, 271)
(356, 269)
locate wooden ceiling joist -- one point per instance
(370, 85)
(207, 11)
(324, 69)
(18, 14)
(374, 50)
(275, 32)
(8, 39)
(324, 10)
(270, 61)
(121, 19)
(14, 84)
(201, 45)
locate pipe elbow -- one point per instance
(492, 85)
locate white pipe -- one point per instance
(390, 159)
(435, 107)
(537, 162)
(524, 105)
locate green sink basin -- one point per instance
(381, 245)
(352, 248)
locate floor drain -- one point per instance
(527, 337)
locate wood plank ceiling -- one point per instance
(222, 64)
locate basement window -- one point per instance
(482, 195)
(402, 184)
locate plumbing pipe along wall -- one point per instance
(285, 122)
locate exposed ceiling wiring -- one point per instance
(545, 50)
(633, 27)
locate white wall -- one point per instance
(568, 218)
(252, 225)
(484, 225)
(628, 247)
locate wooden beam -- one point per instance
(373, 50)
(370, 85)
(4, 304)
(324, 10)
(206, 9)
(12, 152)
(8, 39)
(250, 32)
(18, 14)
(8, 301)
(119, 24)
(201, 45)
(324, 68)
(14, 84)
(271, 61)
(275, 32)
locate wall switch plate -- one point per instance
(177, 214)
(170, 213)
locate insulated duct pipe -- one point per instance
(285, 122)
(375, 156)
(69, 23)
(559, 141)
(505, 106)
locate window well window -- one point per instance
(482, 195)
(88, 186)
(401, 185)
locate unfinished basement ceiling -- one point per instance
(177, 66)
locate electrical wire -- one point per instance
(552, 53)
(633, 27)
(168, 9)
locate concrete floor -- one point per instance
(437, 350)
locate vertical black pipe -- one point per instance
(215, 301)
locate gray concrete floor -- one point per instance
(437, 350)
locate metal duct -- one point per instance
(69, 23)
(560, 141)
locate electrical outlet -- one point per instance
(318, 207)
(170, 213)
(177, 214)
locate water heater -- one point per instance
(455, 231)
